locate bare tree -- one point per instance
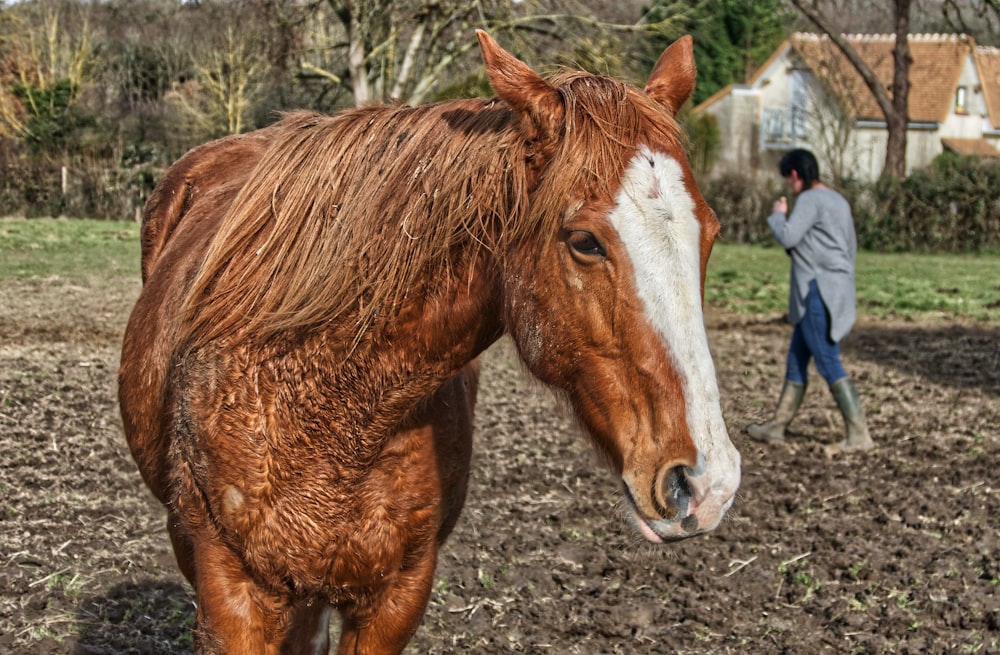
(229, 68)
(833, 118)
(42, 44)
(894, 108)
(401, 49)
(970, 16)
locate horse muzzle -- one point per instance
(682, 502)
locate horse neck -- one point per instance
(451, 324)
(435, 335)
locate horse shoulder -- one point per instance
(181, 219)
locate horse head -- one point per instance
(606, 305)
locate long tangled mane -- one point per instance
(344, 216)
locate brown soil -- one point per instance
(897, 551)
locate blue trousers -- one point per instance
(811, 339)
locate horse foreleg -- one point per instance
(385, 627)
(234, 615)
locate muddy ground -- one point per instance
(897, 551)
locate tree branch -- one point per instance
(871, 81)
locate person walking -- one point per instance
(819, 237)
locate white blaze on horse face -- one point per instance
(654, 216)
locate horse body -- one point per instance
(344, 512)
(299, 373)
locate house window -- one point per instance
(960, 98)
(774, 126)
(799, 103)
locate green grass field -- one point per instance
(69, 248)
(741, 278)
(754, 279)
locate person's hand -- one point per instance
(781, 205)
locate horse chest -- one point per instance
(336, 546)
(313, 496)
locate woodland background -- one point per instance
(97, 97)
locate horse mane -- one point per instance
(344, 216)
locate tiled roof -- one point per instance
(934, 73)
(988, 64)
(979, 147)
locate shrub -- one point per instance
(115, 188)
(951, 206)
(742, 204)
(704, 140)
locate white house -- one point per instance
(807, 95)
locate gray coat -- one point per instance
(819, 236)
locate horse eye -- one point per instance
(586, 243)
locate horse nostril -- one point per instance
(674, 492)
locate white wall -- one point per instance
(740, 113)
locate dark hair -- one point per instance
(802, 162)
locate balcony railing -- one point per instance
(783, 128)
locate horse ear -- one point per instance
(672, 79)
(522, 88)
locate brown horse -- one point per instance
(298, 375)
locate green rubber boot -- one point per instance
(849, 402)
(788, 404)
